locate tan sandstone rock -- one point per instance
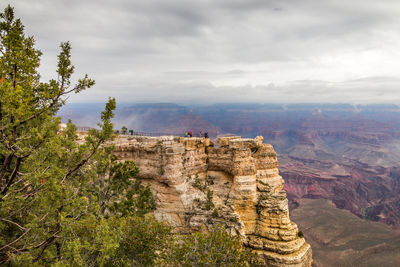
(197, 186)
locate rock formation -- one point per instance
(346, 153)
(197, 185)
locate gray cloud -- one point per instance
(226, 50)
(383, 90)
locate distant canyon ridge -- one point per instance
(349, 154)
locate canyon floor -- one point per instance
(339, 238)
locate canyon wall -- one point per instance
(197, 186)
(349, 154)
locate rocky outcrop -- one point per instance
(197, 185)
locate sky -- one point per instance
(209, 51)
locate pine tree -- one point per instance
(70, 202)
(60, 200)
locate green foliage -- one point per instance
(367, 212)
(209, 201)
(300, 234)
(124, 130)
(215, 214)
(197, 201)
(216, 248)
(198, 184)
(62, 202)
(144, 242)
(70, 203)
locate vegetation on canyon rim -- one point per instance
(68, 203)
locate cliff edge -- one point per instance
(197, 185)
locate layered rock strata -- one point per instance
(197, 185)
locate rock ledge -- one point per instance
(197, 185)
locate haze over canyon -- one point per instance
(346, 154)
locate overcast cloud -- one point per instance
(224, 50)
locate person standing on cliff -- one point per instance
(186, 134)
(190, 134)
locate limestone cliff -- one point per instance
(197, 185)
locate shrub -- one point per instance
(216, 248)
(209, 202)
(300, 234)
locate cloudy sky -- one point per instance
(211, 51)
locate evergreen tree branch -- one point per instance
(11, 179)
(14, 223)
(16, 240)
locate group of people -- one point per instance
(190, 134)
(126, 131)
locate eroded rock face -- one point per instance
(197, 186)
